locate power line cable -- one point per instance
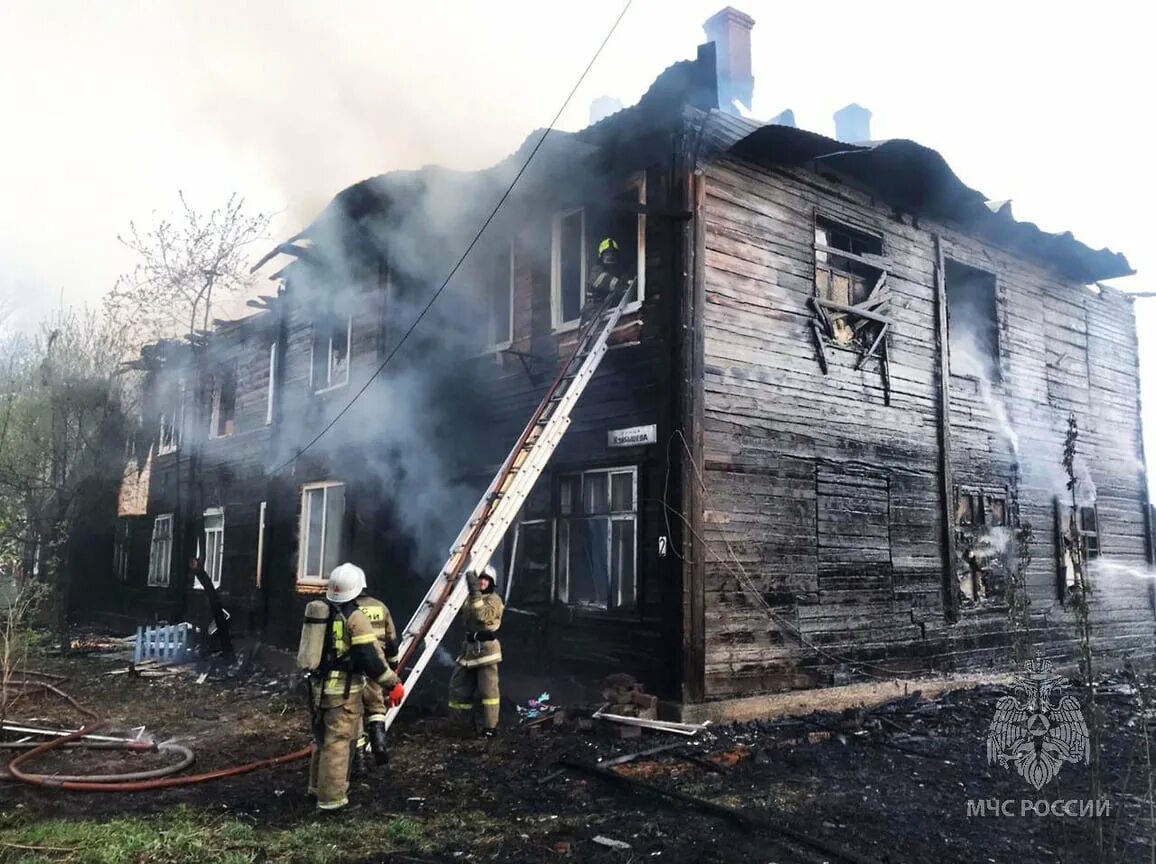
(457, 266)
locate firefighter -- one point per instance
(606, 278)
(474, 683)
(373, 698)
(339, 646)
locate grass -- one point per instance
(184, 834)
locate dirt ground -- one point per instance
(889, 785)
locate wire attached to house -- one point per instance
(465, 254)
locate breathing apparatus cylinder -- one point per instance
(312, 644)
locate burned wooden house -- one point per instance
(826, 443)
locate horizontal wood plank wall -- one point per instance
(822, 501)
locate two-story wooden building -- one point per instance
(834, 408)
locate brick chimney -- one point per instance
(730, 30)
(853, 124)
(604, 106)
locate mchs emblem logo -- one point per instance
(1033, 734)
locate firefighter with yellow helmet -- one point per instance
(474, 683)
(340, 651)
(606, 278)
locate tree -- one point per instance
(60, 439)
(184, 264)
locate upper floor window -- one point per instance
(169, 438)
(972, 322)
(499, 309)
(848, 273)
(224, 403)
(577, 234)
(331, 338)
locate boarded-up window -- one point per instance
(854, 530)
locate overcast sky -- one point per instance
(111, 107)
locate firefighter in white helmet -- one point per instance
(341, 651)
(474, 683)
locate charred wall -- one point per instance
(821, 497)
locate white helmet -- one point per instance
(491, 572)
(345, 582)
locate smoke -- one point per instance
(972, 358)
(1107, 567)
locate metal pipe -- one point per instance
(60, 733)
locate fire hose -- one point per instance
(138, 781)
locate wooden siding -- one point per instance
(822, 500)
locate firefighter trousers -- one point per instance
(373, 701)
(475, 689)
(340, 724)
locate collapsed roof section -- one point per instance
(413, 217)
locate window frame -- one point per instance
(492, 346)
(303, 579)
(996, 371)
(556, 322)
(215, 566)
(638, 181)
(330, 384)
(175, 417)
(614, 604)
(272, 386)
(154, 579)
(215, 413)
(260, 542)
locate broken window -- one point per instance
(982, 533)
(224, 403)
(597, 538)
(577, 234)
(972, 322)
(214, 546)
(169, 438)
(500, 301)
(568, 282)
(1087, 526)
(331, 335)
(531, 572)
(161, 550)
(322, 518)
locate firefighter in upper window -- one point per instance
(474, 683)
(340, 651)
(606, 278)
(373, 698)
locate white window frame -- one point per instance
(330, 384)
(171, 422)
(213, 568)
(562, 567)
(492, 346)
(158, 576)
(556, 271)
(303, 532)
(272, 383)
(639, 182)
(260, 542)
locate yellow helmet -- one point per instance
(607, 243)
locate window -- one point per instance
(972, 325)
(568, 280)
(272, 384)
(214, 545)
(224, 403)
(499, 308)
(322, 515)
(169, 438)
(331, 336)
(846, 274)
(161, 550)
(531, 571)
(260, 542)
(598, 539)
(122, 544)
(1090, 532)
(576, 235)
(982, 521)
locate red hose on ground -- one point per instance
(140, 785)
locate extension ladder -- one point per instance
(487, 525)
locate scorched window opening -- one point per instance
(972, 322)
(574, 249)
(322, 519)
(169, 437)
(499, 302)
(224, 403)
(330, 360)
(846, 276)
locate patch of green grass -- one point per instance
(182, 834)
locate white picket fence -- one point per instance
(169, 643)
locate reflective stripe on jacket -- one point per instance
(378, 615)
(481, 614)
